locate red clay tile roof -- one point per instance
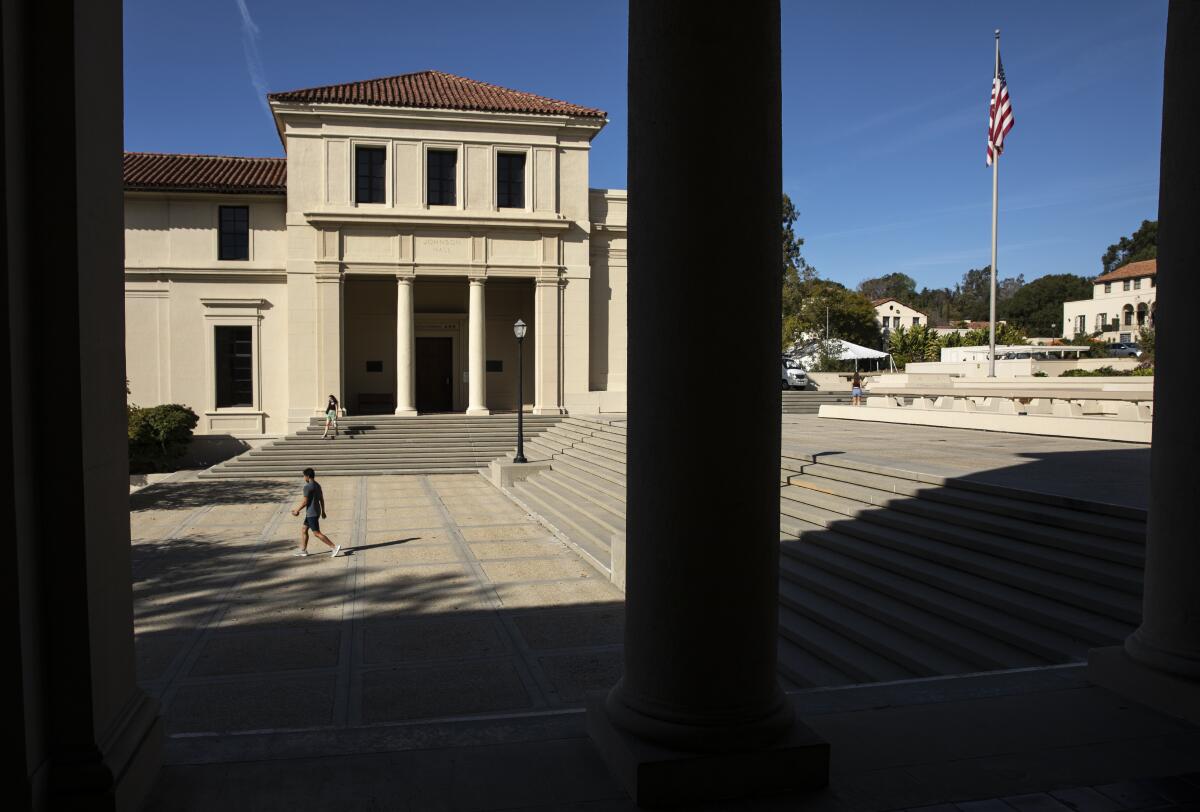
(154, 171)
(433, 89)
(878, 302)
(1147, 267)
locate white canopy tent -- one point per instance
(842, 350)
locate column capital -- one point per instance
(406, 278)
(476, 279)
(545, 282)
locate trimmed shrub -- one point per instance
(158, 436)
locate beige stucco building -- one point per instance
(892, 313)
(1122, 304)
(385, 260)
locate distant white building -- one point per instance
(1122, 304)
(892, 313)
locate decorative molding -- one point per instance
(437, 217)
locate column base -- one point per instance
(659, 776)
(406, 412)
(478, 410)
(118, 775)
(1178, 696)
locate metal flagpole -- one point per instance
(995, 187)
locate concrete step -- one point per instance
(806, 670)
(595, 424)
(980, 651)
(860, 664)
(1033, 526)
(596, 479)
(1003, 539)
(580, 529)
(916, 560)
(613, 443)
(1093, 523)
(616, 457)
(814, 550)
(911, 652)
(567, 492)
(882, 534)
(291, 473)
(589, 460)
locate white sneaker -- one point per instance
(336, 550)
(300, 554)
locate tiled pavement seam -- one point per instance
(534, 679)
(1180, 792)
(347, 709)
(186, 659)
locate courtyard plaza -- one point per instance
(442, 662)
(447, 601)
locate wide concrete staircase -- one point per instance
(802, 401)
(386, 444)
(886, 574)
(582, 496)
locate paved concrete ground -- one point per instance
(1089, 469)
(1042, 739)
(452, 602)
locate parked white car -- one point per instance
(794, 375)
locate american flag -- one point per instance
(1000, 116)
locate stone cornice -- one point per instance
(335, 217)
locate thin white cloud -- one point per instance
(258, 77)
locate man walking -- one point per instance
(313, 505)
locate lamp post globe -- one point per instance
(519, 331)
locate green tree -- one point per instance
(1037, 307)
(1142, 244)
(898, 286)
(159, 435)
(914, 343)
(851, 316)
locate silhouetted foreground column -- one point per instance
(1159, 664)
(79, 728)
(698, 713)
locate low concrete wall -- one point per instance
(1092, 428)
(1056, 368)
(837, 381)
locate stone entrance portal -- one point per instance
(435, 374)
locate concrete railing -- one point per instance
(1070, 411)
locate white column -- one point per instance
(406, 340)
(547, 339)
(330, 291)
(477, 350)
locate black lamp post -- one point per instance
(519, 332)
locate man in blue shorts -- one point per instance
(313, 505)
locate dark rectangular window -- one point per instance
(495, 366)
(235, 366)
(374, 366)
(441, 169)
(510, 180)
(369, 173)
(234, 232)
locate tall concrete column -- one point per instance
(547, 341)
(329, 338)
(80, 733)
(406, 348)
(477, 349)
(699, 713)
(1159, 664)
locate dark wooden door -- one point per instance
(435, 371)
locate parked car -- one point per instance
(796, 377)
(783, 376)
(1124, 349)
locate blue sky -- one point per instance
(884, 123)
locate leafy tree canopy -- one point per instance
(851, 316)
(1142, 244)
(1037, 307)
(898, 286)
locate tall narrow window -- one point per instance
(510, 180)
(1137, 284)
(441, 169)
(369, 173)
(1125, 285)
(235, 366)
(234, 233)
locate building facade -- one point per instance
(1122, 304)
(892, 313)
(384, 260)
